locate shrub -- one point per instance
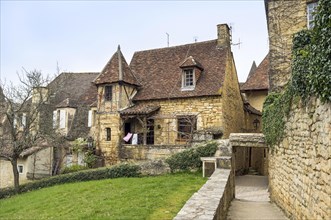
(190, 159)
(122, 170)
(73, 168)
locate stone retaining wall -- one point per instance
(212, 200)
(150, 152)
(300, 166)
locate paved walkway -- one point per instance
(252, 200)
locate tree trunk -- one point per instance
(16, 174)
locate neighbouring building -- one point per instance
(299, 166)
(256, 86)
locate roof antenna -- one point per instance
(167, 39)
(237, 44)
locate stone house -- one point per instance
(299, 165)
(66, 111)
(256, 86)
(166, 97)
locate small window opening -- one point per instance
(108, 93)
(20, 169)
(108, 134)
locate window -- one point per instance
(188, 79)
(186, 126)
(20, 169)
(108, 134)
(311, 8)
(108, 93)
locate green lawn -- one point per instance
(159, 197)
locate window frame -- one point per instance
(108, 95)
(186, 125)
(108, 134)
(188, 74)
(311, 8)
(18, 168)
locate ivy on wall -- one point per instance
(311, 74)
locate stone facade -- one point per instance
(300, 166)
(285, 18)
(35, 166)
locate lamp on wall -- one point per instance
(256, 123)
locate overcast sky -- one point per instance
(81, 36)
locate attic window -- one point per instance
(188, 79)
(108, 93)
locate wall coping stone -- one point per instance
(247, 140)
(205, 204)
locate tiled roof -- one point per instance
(67, 103)
(74, 86)
(110, 72)
(140, 109)
(160, 74)
(250, 109)
(259, 79)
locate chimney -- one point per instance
(223, 36)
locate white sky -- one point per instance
(81, 36)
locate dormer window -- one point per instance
(191, 71)
(188, 79)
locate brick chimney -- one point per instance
(223, 35)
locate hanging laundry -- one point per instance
(135, 139)
(127, 137)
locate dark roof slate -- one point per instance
(74, 86)
(259, 79)
(159, 70)
(110, 73)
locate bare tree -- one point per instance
(23, 109)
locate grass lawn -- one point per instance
(159, 197)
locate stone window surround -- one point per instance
(108, 134)
(183, 122)
(188, 79)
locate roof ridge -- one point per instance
(182, 45)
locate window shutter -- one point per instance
(62, 118)
(89, 120)
(54, 119)
(24, 120)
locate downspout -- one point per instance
(120, 77)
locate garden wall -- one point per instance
(300, 166)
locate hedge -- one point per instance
(122, 170)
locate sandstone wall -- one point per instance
(300, 166)
(232, 103)
(285, 18)
(208, 111)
